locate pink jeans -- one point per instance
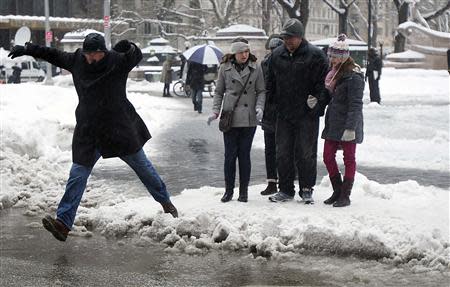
(329, 158)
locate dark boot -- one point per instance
(243, 194)
(170, 208)
(336, 182)
(228, 195)
(55, 227)
(344, 197)
(270, 189)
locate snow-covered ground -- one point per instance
(402, 223)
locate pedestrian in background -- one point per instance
(166, 75)
(196, 81)
(373, 73)
(296, 78)
(268, 125)
(240, 88)
(343, 120)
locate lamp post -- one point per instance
(107, 22)
(369, 30)
(48, 38)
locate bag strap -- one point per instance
(243, 89)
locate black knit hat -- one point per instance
(94, 42)
(293, 28)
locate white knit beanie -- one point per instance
(238, 47)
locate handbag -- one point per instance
(226, 117)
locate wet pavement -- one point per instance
(29, 256)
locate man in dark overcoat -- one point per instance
(373, 73)
(107, 123)
(296, 76)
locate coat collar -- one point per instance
(242, 76)
(302, 49)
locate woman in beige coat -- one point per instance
(247, 105)
(166, 76)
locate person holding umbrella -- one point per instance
(240, 90)
(195, 80)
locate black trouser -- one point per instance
(374, 90)
(270, 155)
(238, 143)
(166, 90)
(297, 147)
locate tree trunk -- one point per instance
(266, 9)
(400, 40)
(343, 19)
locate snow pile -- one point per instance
(394, 222)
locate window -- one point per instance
(25, 66)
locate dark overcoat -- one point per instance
(106, 121)
(345, 108)
(292, 77)
(195, 75)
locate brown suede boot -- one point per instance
(168, 207)
(344, 197)
(55, 227)
(336, 182)
(270, 189)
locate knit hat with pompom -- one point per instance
(339, 49)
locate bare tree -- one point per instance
(403, 11)
(266, 9)
(223, 11)
(298, 9)
(342, 11)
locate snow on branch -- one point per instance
(156, 21)
(438, 13)
(340, 11)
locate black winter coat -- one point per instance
(345, 108)
(294, 76)
(195, 75)
(270, 115)
(374, 63)
(106, 120)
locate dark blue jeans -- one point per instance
(79, 175)
(197, 99)
(238, 143)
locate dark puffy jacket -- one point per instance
(270, 115)
(345, 108)
(106, 120)
(293, 76)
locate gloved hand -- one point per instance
(211, 118)
(348, 136)
(375, 75)
(17, 51)
(259, 114)
(311, 101)
(122, 46)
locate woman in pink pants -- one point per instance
(343, 120)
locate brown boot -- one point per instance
(168, 207)
(270, 189)
(55, 227)
(344, 197)
(336, 182)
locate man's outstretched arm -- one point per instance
(53, 56)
